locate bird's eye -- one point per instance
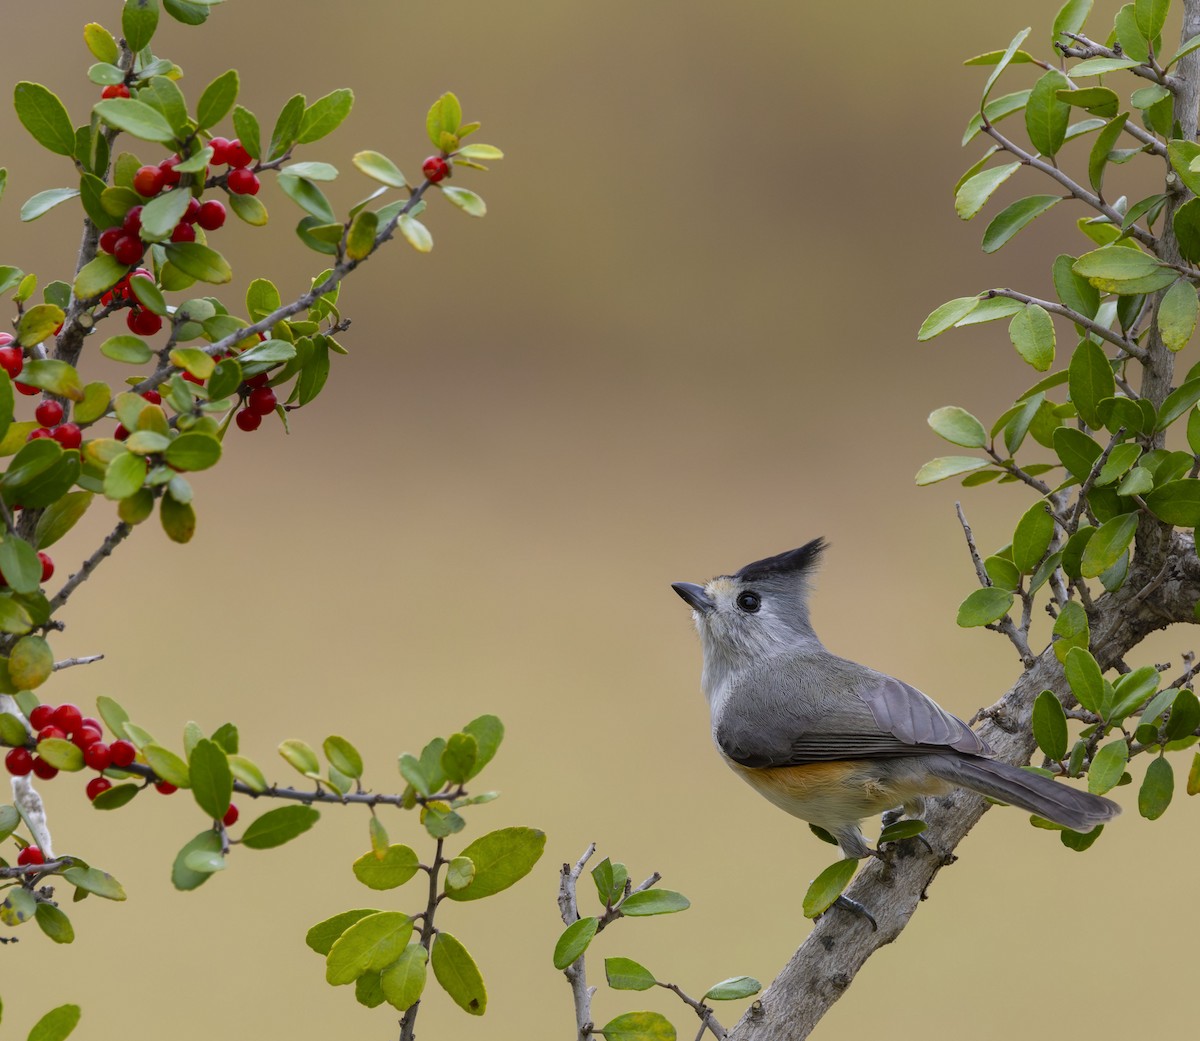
(749, 602)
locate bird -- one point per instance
(831, 741)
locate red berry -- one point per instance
(43, 769)
(191, 378)
(26, 389)
(49, 413)
(108, 238)
(85, 737)
(68, 435)
(123, 753)
(129, 249)
(192, 212)
(247, 420)
(242, 181)
(115, 90)
(152, 396)
(132, 224)
(95, 724)
(47, 572)
(183, 232)
(47, 733)
(97, 785)
(19, 762)
(37, 432)
(12, 360)
(261, 400)
(41, 716)
(31, 855)
(67, 717)
(235, 155)
(165, 787)
(149, 181)
(435, 168)
(120, 433)
(168, 168)
(231, 816)
(98, 756)
(259, 380)
(211, 215)
(143, 322)
(220, 147)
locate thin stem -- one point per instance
(114, 539)
(408, 1022)
(1128, 346)
(707, 1020)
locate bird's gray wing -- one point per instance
(825, 709)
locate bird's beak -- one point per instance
(695, 596)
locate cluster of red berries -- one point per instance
(68, 723)
(30, 855)
(241, 180)
(260, 401)
(49, 415)
(12, 361)
(435, 168)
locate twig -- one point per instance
(114, 539)
(1004, 625)
(68, 663)
(408, 1022)
(708, 1021)
(980, 570)
(1128, 346)
(576, 972)
(1090, 481)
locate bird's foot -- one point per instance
(854, 907)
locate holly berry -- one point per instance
(231, 816)
(43, 769)
(26, 389)
(435, 168)
(165, 787)
(97, 756)
(41, 716)
(12, 360)
(95, 724)
(31, 855)
(50, 733)
(220, 147)
(18, 761)
(183, 232)
(120, 433)
(37, 432)
(143, 322)
(248, 420)
(191, 377)
(152, 396)
(259, 380)
(85, 737)
(242, 181)
(123, 753)
(261, 400)
(132, 224)
(192, 211)
(109, 237)
(47, 571)
(211, 215)
(97, 785)
(115, 90)
(167, 166)
(68, 435)
(49, 413)
(128, 249)
(67, 717)
(236, 155)
(149, 181)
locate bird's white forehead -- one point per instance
(724, 586)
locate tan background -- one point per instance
(683, 338)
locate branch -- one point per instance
(839, 944)
(408, 1022)
(1128, 346)
(576, 972)
(114, 539)
(68, 663)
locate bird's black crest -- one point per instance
(793, 562)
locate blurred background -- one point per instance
(683, 339)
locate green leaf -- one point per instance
(1187, 48)
(1083, 675)
(17, 906)
(1158, 786)
(132, 350)
(325, 115)
(459, 873)
(654, 901)
(1070, 19)
(216, 100)
(36, 324)
(45, 117)
(415, 233)
(167, 765)
(307, 196)
(946, 316)
(343, 756)
(900, 830)
(136, 118)
(1090, 378)
(55, 924)
(947, 466)
(185, 877)
(984, 606)
(322, 936)
(1115, 269)
(1102, 148)
(488, 732)
(380, 168)
(958, 426)
(455, 970)
(19, 564)
(369, 945)
(1032, 333)
(212, 780)
(201, 262)
(395, 867)
(93, 880)
(1050, 725)
(30, 661)
(1107, 766)
(1032, 537)
(1013, 218)
(638, 1026)
(1003, 573)
(59, 753)
(193, 450)
(626, 974)
(125, 476)
(574, 941)
(116, 797)
(275, 827)
(444, 116)
(975, 192)
(1177, 313)
(99, 275)
(501, 858)
(42, 202)
(160, 217)
(56, 1024)
(1009, 52)
(996, 110)
(101, 43)
(1071, 627)
(1186, 224)
(287, 126)
(827, 887)
(139, 19)
(1151, 15)
(403, 981)
(1177, 502)
(1099, 101)
(1193, 777)
(458, 758)
(249, 209)
(733, 989)
(1077, 451)
(1046, 116)
(467, 201)
(1108, 544)
(360, 237)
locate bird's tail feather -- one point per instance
(1079, 811)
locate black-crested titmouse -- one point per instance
(831, 741)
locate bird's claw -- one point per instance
(854, 907)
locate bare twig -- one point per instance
(1090, 481)
(708, 1021)
(114, 539)
(576, 972)
(1147, 70)
(976, 559)
(68, 663)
